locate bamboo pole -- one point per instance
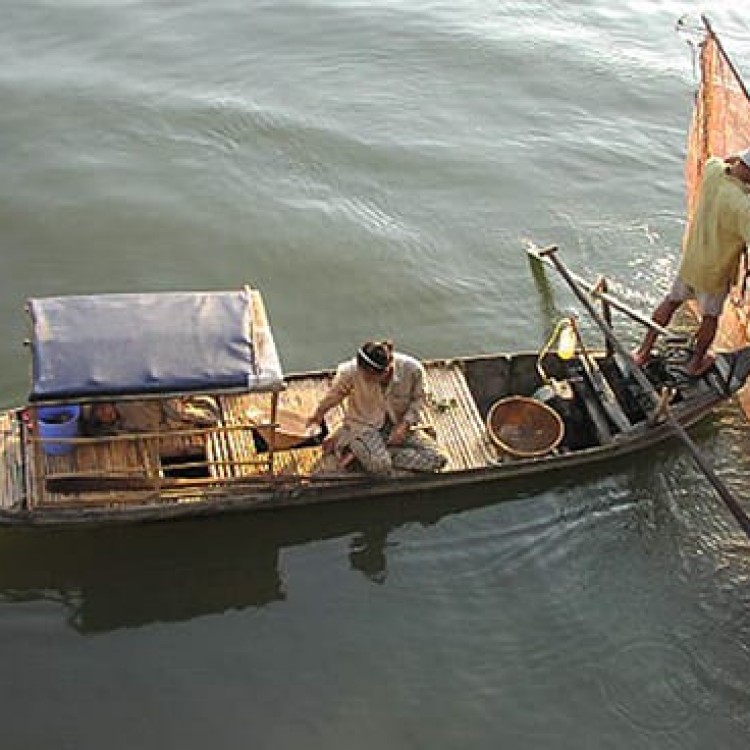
(602, 286)
(734, 507)
(179, 432)
(538, 254)
(272, 441)
(72, 484)
(139, 470)
(726, 57)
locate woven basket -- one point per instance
(524, 427)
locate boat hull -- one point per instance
(241, 500)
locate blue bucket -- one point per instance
(58, 422)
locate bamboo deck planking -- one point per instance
(240, 443)
(461, 432)
(301, 397)
(127, 458)
(230, 451)
(11, 492)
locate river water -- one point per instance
(377, 169)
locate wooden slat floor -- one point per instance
(231, 453)
(301, 397)
(117, 457)
(451, 410)
(11, 462)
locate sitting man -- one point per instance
(382, 392)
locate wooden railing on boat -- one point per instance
(11, 456)
(143, 467)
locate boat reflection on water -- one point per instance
(130, 576)
(127, 576)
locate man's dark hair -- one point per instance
(375, 356)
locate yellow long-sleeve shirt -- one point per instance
(719, 231)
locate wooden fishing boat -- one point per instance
(205, 422)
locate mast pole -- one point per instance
(724, 54)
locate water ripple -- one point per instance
(651, 684)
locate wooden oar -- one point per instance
(538, 254)
(730, 501)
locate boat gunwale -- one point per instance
(293, 491)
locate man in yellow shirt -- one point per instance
(717, 235)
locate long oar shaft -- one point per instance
(729, 500)
(611, 300)
(734, 507)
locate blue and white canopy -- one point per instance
(89, 347)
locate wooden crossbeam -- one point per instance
(605, 394)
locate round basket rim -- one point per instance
(537, 404)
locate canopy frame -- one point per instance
(91, 348)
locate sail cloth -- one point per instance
(721, 116)
(88, 347)
(720, 127)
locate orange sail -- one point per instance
(721, 116)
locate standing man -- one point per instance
(383, 393)
(718, 234)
